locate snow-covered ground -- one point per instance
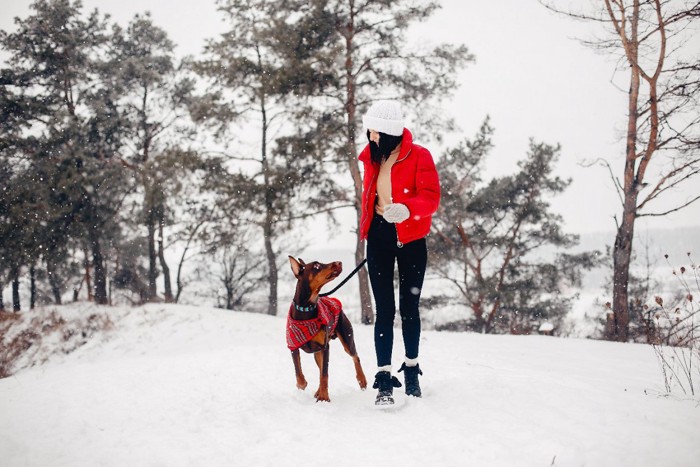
(182, 385)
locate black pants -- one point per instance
(382, 253)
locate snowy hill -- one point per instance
(177, 385)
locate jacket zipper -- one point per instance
(399, 243)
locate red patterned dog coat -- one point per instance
(301, 331)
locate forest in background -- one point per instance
(123, 165)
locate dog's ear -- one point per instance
(297, 266)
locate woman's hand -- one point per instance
(396, 213)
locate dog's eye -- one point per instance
(316, 266)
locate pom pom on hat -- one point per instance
(384, 117)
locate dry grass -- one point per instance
(677, 333)
(32, 338)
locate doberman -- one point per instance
(313, 321)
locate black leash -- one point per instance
(359, 266)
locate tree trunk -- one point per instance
(229, 293)
(622, 250)
(366, 311)
(54, 281)
(100, 273)
(32, 287)
(164, 266)
(268, 230)
(152, 255)
(56, 291)
(149, 203)
(271, 265)
(87, 277)
(16, 306)
(622, 255)
(482, 326)
(178, 277)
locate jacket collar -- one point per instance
(406, 145)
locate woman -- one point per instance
(401, 192)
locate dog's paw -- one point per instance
(301, 384)
(322, 396)
(363, 383)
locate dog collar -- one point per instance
(304, 309)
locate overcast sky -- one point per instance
(531, 76)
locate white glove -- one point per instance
(396, 213)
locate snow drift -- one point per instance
(181, 385)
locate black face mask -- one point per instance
(387, 143)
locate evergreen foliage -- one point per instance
(489, 238)
(112, 149)
(72, 131)
(257, 72)
(374, 58)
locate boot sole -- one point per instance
(386, 400)
(399, 401)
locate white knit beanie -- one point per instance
(384, 117)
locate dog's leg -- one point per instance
(346, 337)
(301, 381)
(322, 362)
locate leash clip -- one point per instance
(359, 266)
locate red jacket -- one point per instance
(414, 182)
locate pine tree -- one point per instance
(374, 60)
(256, 70)
(490, 236)
(55, 69)
(154, 95)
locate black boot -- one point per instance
(386, 384)
(410, 374)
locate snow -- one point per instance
(182, 385)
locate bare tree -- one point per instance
(663, 122)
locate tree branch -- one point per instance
(659, 214)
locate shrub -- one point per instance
(675, 337)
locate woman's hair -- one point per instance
(387, 143)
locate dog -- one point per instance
(313, 321)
